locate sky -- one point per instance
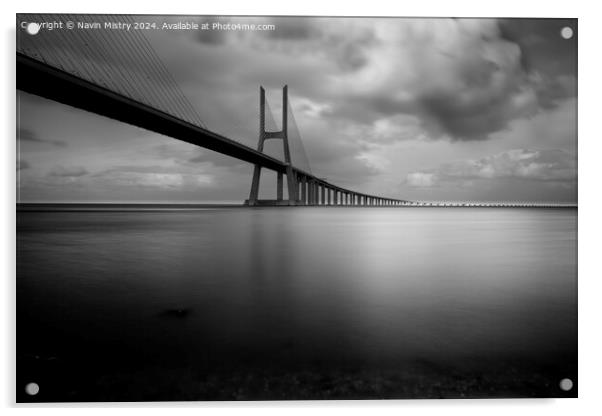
(410, 108)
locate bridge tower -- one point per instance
(267, 135)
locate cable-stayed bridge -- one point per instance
(118, 74)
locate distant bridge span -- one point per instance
(39, 78)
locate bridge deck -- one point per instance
(40, 79)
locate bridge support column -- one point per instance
(323, 189)
(293, 193)
(304, 191)
(279, 187)
(291, 183)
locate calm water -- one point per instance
(186, 304)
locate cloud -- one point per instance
(190, 157)
(153, 177)
(68, 171)
(533, 165)
(421, 179)
(28, 135)
(460, 77)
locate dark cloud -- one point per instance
(22, 164)
(216, 159)
(189, 156)
(68, 171)
(28, 135)
(211, 36)
(293, 28)
(543, 49)
(465, 79)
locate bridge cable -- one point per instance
(144, 48)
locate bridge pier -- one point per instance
(293, 192)
(317, 186)
(303, 190)
(279, 187)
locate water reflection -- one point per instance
(293, 288)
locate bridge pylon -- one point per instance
(290, 174)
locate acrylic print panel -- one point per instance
(294, 208)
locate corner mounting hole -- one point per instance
(566, 32)
(32, 389)
(566, 384)
(32, 28)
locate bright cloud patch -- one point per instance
(156, 179)
(421, 179)
(538, 165)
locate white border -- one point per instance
(590, 151)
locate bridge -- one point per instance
(118, 75)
